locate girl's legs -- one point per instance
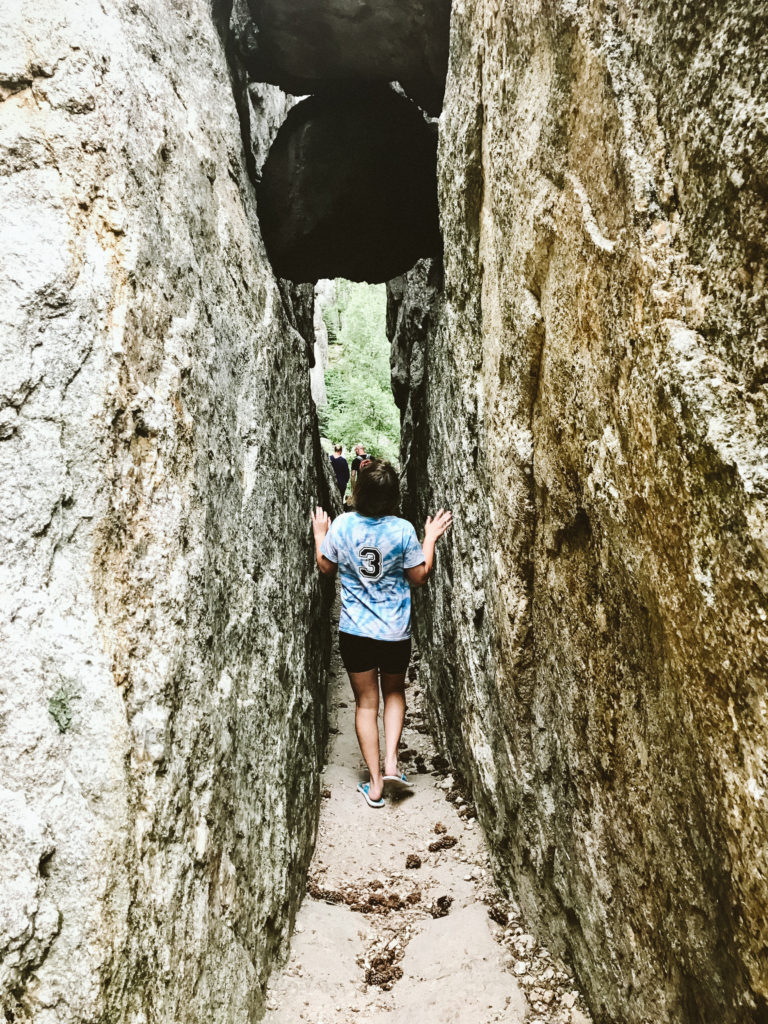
(393, 691)
(365, 686)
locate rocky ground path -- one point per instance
(402, 922)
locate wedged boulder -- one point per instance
(349, 188)
(306, 46)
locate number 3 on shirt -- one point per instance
(370, 566)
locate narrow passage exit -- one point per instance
(352, 387)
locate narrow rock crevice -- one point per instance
(577, 279)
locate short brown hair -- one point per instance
(377, 490)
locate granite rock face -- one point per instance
(589, 396)
(162, 694)
(349, 188)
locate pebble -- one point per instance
(521, 968)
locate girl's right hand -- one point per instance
(321, 523)
(439, 525)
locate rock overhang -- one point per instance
(310, 46)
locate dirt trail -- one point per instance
(380, 942)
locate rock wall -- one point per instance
(589, 396)
(162, 694)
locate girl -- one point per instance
(379, 557)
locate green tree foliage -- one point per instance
(360, 403)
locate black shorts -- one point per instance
(361, 654)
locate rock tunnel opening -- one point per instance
(351, 380)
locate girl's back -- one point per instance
(372, 554)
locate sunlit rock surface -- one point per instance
(349, 188)
(592, 405)
(161, 703)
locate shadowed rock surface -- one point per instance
(349, 188)
(589, 397)
(306, 46)
(162, 693)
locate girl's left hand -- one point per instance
(321, 523)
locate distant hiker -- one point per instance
(360, 456)
(340, 469)
(379, 558)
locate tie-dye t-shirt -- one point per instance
(372, 556)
